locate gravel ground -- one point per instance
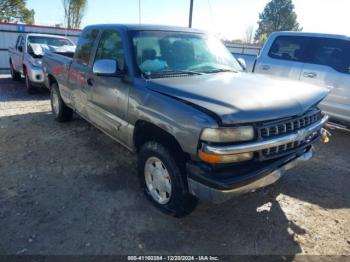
(69, 189)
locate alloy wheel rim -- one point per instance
(158, 180)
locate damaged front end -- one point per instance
(278, 146)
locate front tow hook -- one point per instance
(325, 136)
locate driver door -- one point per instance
(18, 54)
(329, 66)
(108, 95)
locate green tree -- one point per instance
(262, 39)
(16, 11)
(28, 16)
(74, 11)
(278, 15)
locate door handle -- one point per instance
(310, 74)
(90, 82)
(265, 67)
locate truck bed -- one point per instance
(58, 65)
(67, 54)
(52, 58)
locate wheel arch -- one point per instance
(146, 131)
(24, 69)
(51, 80)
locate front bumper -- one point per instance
(36, 75)
(217, 184)
(217, 192)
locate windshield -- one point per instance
(163, 52)
(52, 41)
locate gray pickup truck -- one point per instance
(202, 128)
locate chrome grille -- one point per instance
(284, 149)
(289, 126)
(283, 127)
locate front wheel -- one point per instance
(61, 112)
(29, 86)
(164, 181)
(16, 76)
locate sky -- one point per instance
(227, 18)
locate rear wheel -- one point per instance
(164, 181)
(16, 76)
(61, 112)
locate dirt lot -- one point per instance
(69, 189)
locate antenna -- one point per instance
(190, 18)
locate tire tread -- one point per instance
(65, 113)
(181, 202)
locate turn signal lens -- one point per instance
(224, 159)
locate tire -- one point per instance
(61, 112)
(29, 86)
(178, 202)
(16, 76)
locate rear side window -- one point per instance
(85, 45)
(111, 47)
(290, 48)
(331, 52)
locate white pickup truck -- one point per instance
(320, 59)
(26, 56)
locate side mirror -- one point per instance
(242, 62)
(106, 67)
(20, 48)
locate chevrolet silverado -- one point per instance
(202, 128)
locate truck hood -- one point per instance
(242, 97)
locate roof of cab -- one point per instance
(322, 35)
(141, 27)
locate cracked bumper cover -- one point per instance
(216, 192)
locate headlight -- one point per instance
(36, 62)
(229, 134)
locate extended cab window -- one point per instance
(331, 52)
(289, 48)
(85, 45)
(110, 47)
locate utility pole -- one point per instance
(139, 11)
(190, 18)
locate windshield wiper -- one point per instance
(172, 72)
(219, 70)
